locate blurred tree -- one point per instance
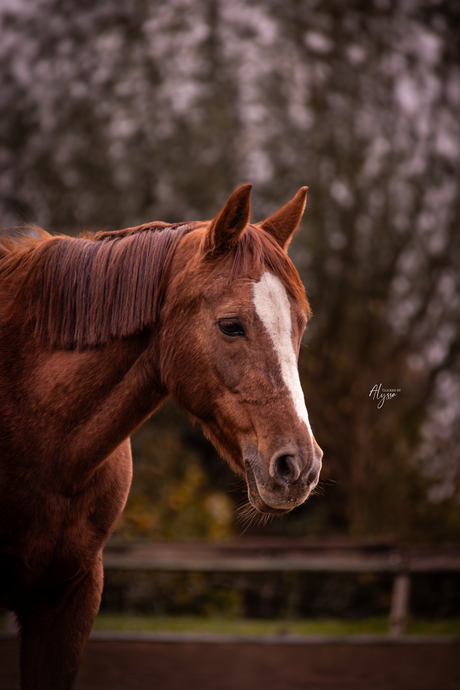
(118, 112)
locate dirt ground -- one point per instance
(135, 664)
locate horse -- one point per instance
(96, 332)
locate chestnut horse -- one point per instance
(95, 333)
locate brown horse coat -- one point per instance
(95, 333)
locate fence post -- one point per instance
(399, 604)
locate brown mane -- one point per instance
(87, 291)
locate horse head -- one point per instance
(231, 329)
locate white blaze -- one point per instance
(274, 310)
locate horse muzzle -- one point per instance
(285, 481)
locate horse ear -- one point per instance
(283, 224)
(227, 227)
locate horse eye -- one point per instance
(231, 327)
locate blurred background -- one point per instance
(120, 112)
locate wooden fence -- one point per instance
(293, 555)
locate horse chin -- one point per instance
(255, 498)
(262, 507)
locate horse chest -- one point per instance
(59, 536)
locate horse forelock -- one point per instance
(256, 252)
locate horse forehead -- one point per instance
(272, 305)
(264, 294)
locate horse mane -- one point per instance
(86, 291)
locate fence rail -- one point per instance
(283, 555)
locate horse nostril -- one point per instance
(286, 468)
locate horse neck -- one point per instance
(77, 405)
(74, 408)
